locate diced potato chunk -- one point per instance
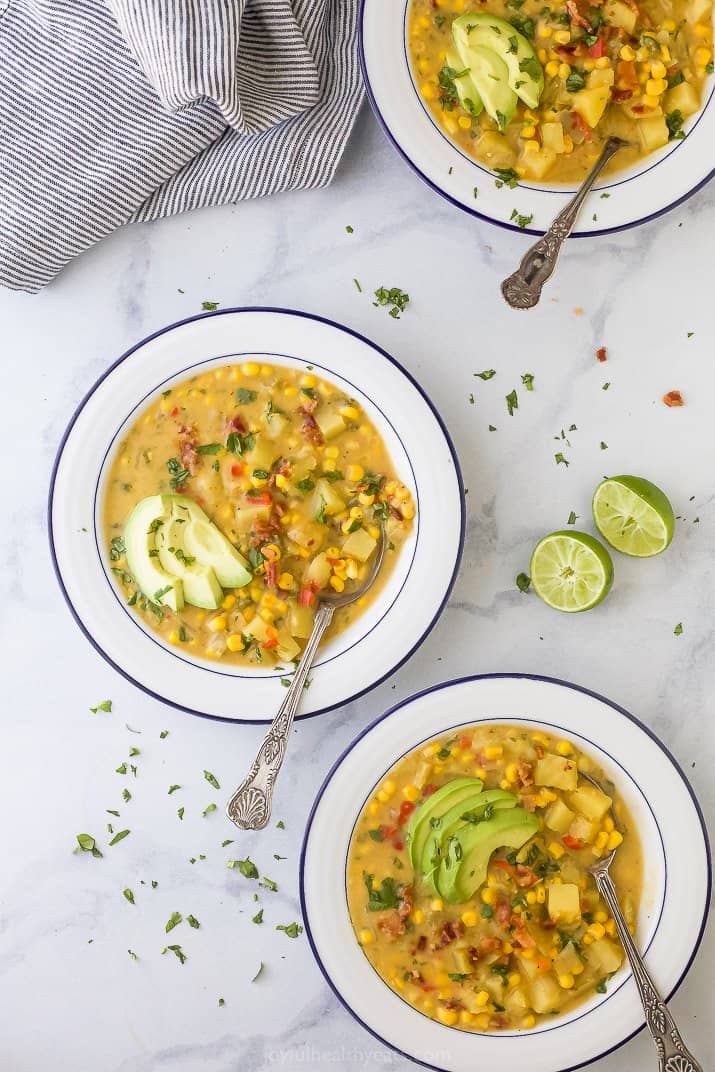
(516, 1001)
(262, 456)
(591, 103)
(326, 498)
(329, 422)
(698, 10)
(528, 966)
(545, 993)
(683, 98)
(496, 150)
(537, 162)
(258, 629)
(604, 956)
(583, 829)
(359, 544)
(559, 772)
(590, 801)
(620, 14)
(598, 77)
(564, 902)
(248, 512)
(318, 572)
(568, 961)
(462, 962)
(552, 137)
(276, 426)
(558, 817)
(653, 132)
(287, 649)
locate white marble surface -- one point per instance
(81, 1006)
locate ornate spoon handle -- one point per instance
(522, 290)
(250, 805)
(673, 1054)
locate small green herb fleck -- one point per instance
(291, 929)
(211, 779)
(129, 895)
(523, 582)
(120, 836)
(105, 705)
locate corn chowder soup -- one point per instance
(240, 494)
(532, 91)
(468, 885)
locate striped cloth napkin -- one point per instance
(114, 111)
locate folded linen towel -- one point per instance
(125, 110)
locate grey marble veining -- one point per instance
(85, 1006)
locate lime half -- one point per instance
(571, 571)
(633, 515)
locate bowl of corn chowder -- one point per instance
(445, 880)
(503, 107)
(221, 476)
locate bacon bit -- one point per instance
(503, 911)
(309, 406)
(528, 801)
(453, 1004)
(539, 752)
(620, 95)
(406, 901)
(427, 987)
(503, 865)
(641, 109)
(428, 790)
(187, 447)
(582, 125)
(310, 431)
(524, 939)
(264, 531)
(525, 877)
(391, 925)
(576, 17)
(498, 1022)
(271, 574)
(396, 513)
(420, 947)
(626, 74)
(489, 944)
(449, 931)
(602, 354)
(674, 398)
(525, 774)
(236, 424)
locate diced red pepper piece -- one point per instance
(502, 865)
(465, 742)
(307, 596)
(572, 842)
(262, 498)
(406, 809)
(601, 353)
(398, 844)
(238, 469)
(428, 790)
(598, 49)
(271, 574)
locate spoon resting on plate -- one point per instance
(250, 805)
(673, 1054)
(522, 290)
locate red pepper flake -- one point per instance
(601, 353)
(673, 398)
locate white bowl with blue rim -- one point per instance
(676, 860)
(653, 185)
(389, 629)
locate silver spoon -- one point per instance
(673, 1054)
(250, 805)
(522, 290)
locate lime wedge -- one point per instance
(633, 515)
(571, 571)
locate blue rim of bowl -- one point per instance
(492, 677)
(284, 312)
(472, 211)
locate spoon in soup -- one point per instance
(250, 805)
(522, 290)
(673, 1054)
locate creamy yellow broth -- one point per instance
(500, 960)
(648, 60)
(297, 477)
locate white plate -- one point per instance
(380, 639)
(651, 187)
(676, 854)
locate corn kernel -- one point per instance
(596, 930)
(541, 895)
(464, 122)
(543, 55)
(602, 63)
(418, 915)
(608, 824)
(642, 54)
(382, 796)
(234, 642)
(285, 582)
(589, 64)
(665, 54)
(703, 56)
(465, 1017)
(601, 916)
(566, 981)
(437, 904)
(556, 850)
(290, 391)
(669, 25)
(408, 511)
(552, 68)
(366, 937)
(493, 751)
(564, 748)
(657, 69)
(331, 452)
(615, 838)
(374, 531)
(228, 601)
(655, 86)
(507, 947)
(249, 614)
(355, 472)
(564, 70)
(531, 897)
(174, 636)
(546, 31)
(217, 624)
(258, 481)
(511, 772)
(528, 1022)
(350, 413)
(482, 999)
(513, 978)
(428, 91)
(528, 132)
(562, 37)
(373, 807)
(480, 772)
(365, 500)
(441, 979)
(267, 615)
(489, 896)
(251, 368)
(389, 786)
(411, 793)
(528, 954)
(701, 29)
(611, 928)
(540, 738)
(448, 1017)
(482, 1021)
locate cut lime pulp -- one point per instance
(633, 515)
(571, 571)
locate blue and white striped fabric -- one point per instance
(114, 111)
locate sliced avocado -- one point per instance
(205, 542)
(142, 556)
(490, 75)
(525, 73)
(466, 90)
(470, 850)
(435, 850)
(201, 585)
(433, 807)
